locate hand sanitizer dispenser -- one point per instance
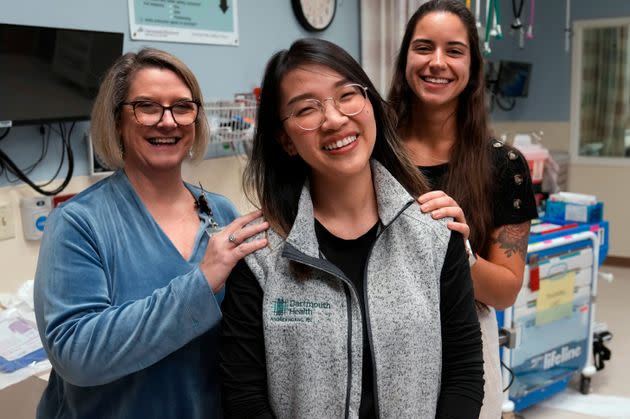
(34, 213)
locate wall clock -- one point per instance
(314, 15)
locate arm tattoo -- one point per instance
(513, 239)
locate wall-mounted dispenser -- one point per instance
(34, 213)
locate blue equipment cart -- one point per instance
(550, 326)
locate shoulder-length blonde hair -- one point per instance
(113, 92)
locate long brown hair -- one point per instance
(468, 179)
(274, 179)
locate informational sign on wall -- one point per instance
(192, 21)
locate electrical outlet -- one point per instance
(7, 229)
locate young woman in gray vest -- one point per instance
(361, 305)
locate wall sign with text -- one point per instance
(192, 21)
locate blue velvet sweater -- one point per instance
(129, 325)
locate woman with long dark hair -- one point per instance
(438, 92)
(361, 305)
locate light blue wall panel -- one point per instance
(550, 87)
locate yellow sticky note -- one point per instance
(555, 298)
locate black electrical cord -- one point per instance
(45, 134)
(4, 134)
(516, 415)
(511, 102)
(10, 165)
(3, 169)
(516, 23)
(63, 155)
(511, 376)
(28, 170)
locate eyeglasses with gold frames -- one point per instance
(310, 114)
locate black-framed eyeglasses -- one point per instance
(150, 113)
(310, 114)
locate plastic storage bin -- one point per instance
(535, 154)
(568, 228)
(558, 211)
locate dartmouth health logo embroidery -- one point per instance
(288, 310)
(280, 306)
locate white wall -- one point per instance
(18, 257)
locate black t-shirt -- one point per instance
(512, 195)
(351, 257)
(242, 351)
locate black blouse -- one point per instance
(512, 196)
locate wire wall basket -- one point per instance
(231, 121)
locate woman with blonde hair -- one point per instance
(131, 271)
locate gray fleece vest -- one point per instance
(312, 320)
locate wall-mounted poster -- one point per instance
(193, 21)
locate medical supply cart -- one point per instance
(550, 326)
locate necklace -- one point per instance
(421, 156)
(418, 151)
(430, 157)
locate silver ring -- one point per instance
(232, 239)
